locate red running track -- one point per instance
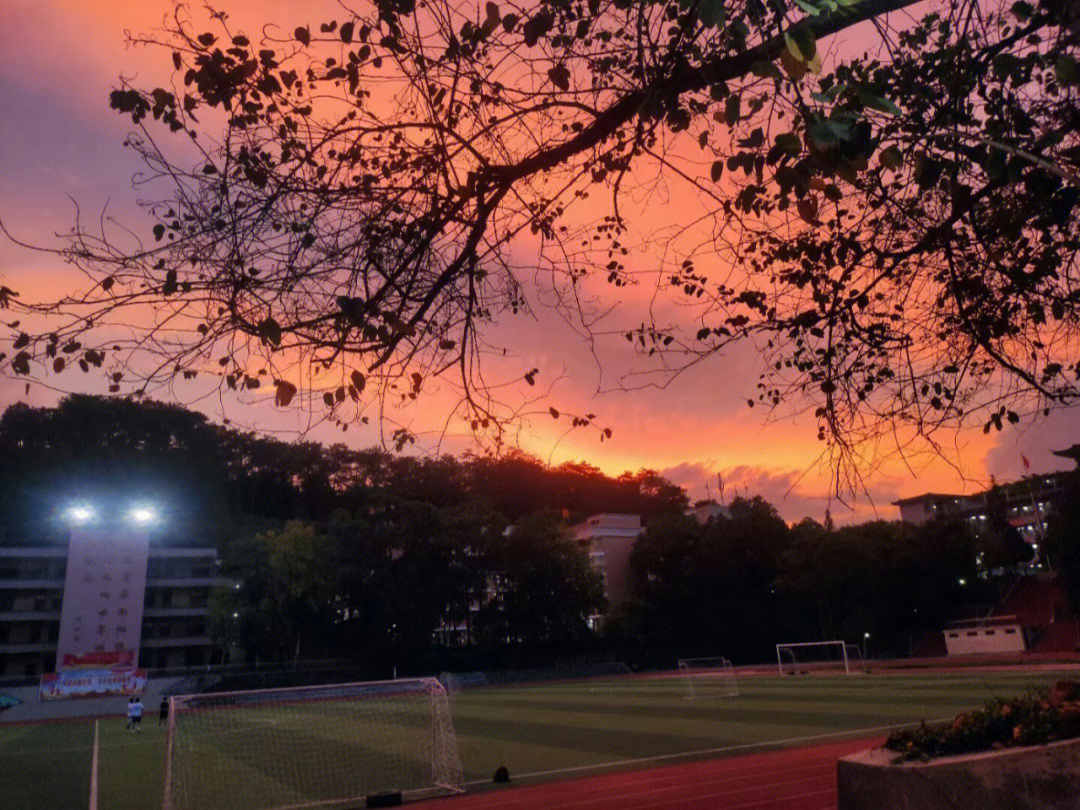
(792, 779)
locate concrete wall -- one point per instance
(1044, 777)
(30, 709)
(1006, 638)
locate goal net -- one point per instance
(705, 678)
(819, 656)
(454, 682)
(322, 746)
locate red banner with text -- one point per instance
(87, 683)
(100, 660)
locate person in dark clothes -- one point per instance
(163, 711)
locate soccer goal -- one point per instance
(819, 656)
(322, 746)
(705, 678)
(454, 682)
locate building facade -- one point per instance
(608, 539)
(174, 631)
(1028, 503)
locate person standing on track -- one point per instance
(163, 711)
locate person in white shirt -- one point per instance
(134, 713)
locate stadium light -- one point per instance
(142, 515)
(81, 513)
(963, 581)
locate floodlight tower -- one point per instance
(105, 584)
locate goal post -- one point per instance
(708, 678)
(856, 663)
(310, 747)
(819, 656)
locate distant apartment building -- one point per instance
(173, 623)
(1028, 504)
(608, 539)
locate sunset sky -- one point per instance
(59, 142)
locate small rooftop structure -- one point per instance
(708, 510)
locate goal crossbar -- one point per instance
(310, 747)
(849, 656)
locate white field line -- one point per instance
(723, 750)
(94, 771)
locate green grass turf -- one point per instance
(256, 757)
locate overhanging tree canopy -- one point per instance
(896, 230)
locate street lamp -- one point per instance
(865, 644)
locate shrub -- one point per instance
(1041, 716)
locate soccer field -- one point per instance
(540, 732)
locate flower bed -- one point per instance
(1038, 717)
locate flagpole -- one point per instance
(1038, 514)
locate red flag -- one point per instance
(1027, 464)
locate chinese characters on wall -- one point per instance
(103, 596)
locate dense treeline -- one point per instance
(408, 561)
(401, 581)
(91, 447)
(738, 585)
